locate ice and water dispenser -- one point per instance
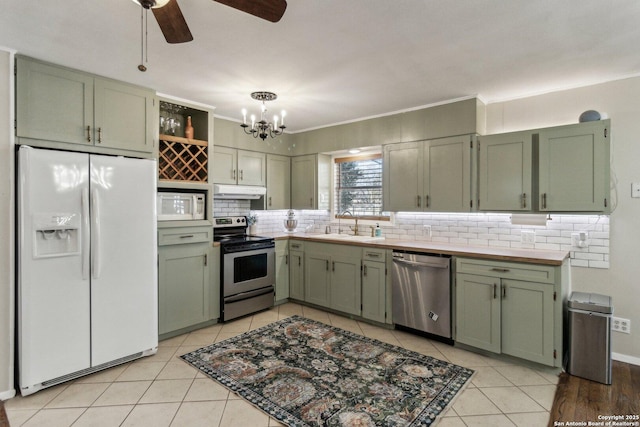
(56, 234)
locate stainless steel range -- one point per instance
(248, 266)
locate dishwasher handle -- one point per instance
(420, 264)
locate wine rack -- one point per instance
(182, 159)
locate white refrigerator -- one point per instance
(87, 264)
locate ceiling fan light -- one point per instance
(153, 4)
(160, 3)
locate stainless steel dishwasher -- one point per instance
(421, 289)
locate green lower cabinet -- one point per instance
(332, 276)
(317, 276)
(374, 291)
(345, 289)
(296, 275)
(214, 306)
(478, 312)
(183, 286)
(282, 270)
(498, 312)
(527, 320)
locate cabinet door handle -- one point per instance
(88, 133)
(494, 290)
(333, 266)
(311, 202)
(286, 259)
(326, 265)
(544, 200)
(504, 291)
(186, 236)
(299, 261)
(241, 174)
(501, 270)
(427, 201)
(233, 174)
(419, 200)
(99, 135)
(269, 200)
(524, 200)
(364, 271)
(206, 261)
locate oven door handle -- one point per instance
(248, 294)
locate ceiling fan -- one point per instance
(175, 28)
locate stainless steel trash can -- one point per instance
(590, 336)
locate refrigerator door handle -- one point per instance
(85, 234)
(95, 232)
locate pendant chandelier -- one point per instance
(262, 128)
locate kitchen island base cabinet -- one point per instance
(186, 298)
(511, 308)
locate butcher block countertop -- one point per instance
(536, 256)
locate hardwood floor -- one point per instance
(4, 422)
(577, 399)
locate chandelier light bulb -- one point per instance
(244, 116)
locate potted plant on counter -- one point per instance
(251, 222)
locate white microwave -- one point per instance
(180, 206)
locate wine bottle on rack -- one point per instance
(188, 130)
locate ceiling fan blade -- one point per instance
(172, 23)
(271, 10)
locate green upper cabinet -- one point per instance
(574, 168)
(224, 167)
(231, 166)
(505, 172)
(447, 174)
(428, 176)
(278, 182)
(123, 116)
(402, 177)
(252, 168)
(60, 105)
(311, 182)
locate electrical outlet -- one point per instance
(426, 230)
(621, 325)
(580, 239)
(528, 237)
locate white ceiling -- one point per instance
(332, 61)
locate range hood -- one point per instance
(238, 192)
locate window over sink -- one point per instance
(358, 187)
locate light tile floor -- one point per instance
(162, 390)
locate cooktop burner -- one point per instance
(233, 230)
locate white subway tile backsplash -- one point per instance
(477, 229)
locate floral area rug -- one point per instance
(305, 373)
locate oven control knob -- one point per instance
(242, 220)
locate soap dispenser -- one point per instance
(378, 230)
